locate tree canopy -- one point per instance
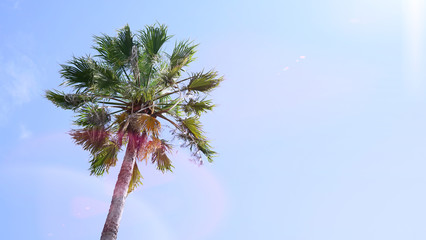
(130, 88)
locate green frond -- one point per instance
(204, 82)
(67, 101)
(176, 112)
(125, 41)
(160, 157)
(145, 94)
(194, 137)
(116, 51)
(136, 179)
(164, 95)
(106, 79)
(156, 83)
(164, 100)
(92, 116)
(193, 126)
(107, 51)
(165, 108)
(206, 149)
(92, 139)
(78, 73)
(197, 145)
(152, 39)
(102, 160)
(84, 74)
(181, 56)
(197, 107)
(145, 68)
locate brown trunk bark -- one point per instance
(121, 188)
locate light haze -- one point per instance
(320, 123)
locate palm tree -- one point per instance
(124, 95)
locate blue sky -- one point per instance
(320, 123)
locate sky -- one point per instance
(320, 124)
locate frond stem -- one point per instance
(113, 103)
(170, 121)
(167, 94)
(183, 80)
(140, 110)
(127, 76)
(117, 111)
(177, 102)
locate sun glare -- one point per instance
(413, 44)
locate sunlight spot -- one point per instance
(286, 68)
(302, 57)
(414, 45)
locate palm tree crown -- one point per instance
(128, 90)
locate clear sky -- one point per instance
(320, 124)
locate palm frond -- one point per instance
(152, 39)
(148, 148)
(194, 138)
(84, 74)
(164, 100)
(145, 68)
(116, 51)
(145, 94)
(102, 160)
(181, 56)
(172, 107)
(204, 82)
(148, 124)
(160, 157)
(155, 83)
(78, 73)
(107, 51)
(136, 179)
(197, 107)
(193, 127)
(106, 79)
(206, 149)
(92, 116)
(125, 42)
(120, 121)
(68, 101)
(92, 139)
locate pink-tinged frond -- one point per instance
(90, 139)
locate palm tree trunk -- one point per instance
(121, 188)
